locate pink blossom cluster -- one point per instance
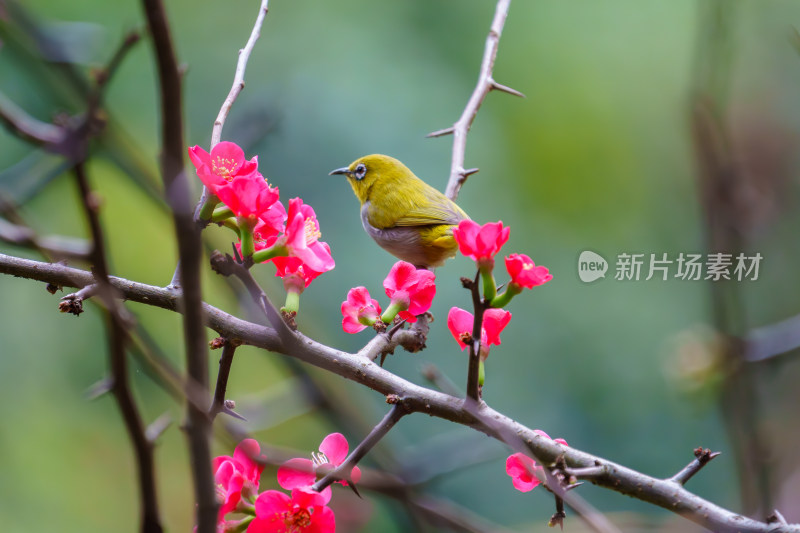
(302, 510)
(410, 291)
(251, 207)
(482, 243)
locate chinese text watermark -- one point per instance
(684, 266)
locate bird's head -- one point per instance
(365, 172)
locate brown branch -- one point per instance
(120, 386)
(473, 369)
(177, 191)
(486, 83)
(58, 247)
(218, 405)
(415, 398)
(342, 472)
(28, 128)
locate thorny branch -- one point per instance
(486, 83)
(119, 382)
(354, 367)
(177, 192)
(236, 88)
(378, 432)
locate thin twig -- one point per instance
(52, 247)
(342, 472)
(176, 188)
(701, 458)
(486, 83)
(120, 387)
(660, 492)
(473, 369)
(28, 128)
(236, 88)
(225, 362)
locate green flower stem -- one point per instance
(391, 312)
(278, 250)
(292, 301)
(207, 211)
(502, 299)
(230, 223)
(244, 524)
(221, 213)
(489, 286)
(246, 235)
(481, 373)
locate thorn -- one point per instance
(157, 427)
(354, 488)
(441, 133)
(100, 388)
(505, 89)
(469, 172)
(232, 413)
(573, 486)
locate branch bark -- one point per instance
(486, 83)
(177, 191)
(662, 492)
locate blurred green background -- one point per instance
(598, 156)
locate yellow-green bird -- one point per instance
(403, 214)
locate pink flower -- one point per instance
(302, 237)
(524, 273)
(460, 323)
(359, 310)
(305, 512)
(248, 196)
(411, 289)
(300, 472)
(237, 475)
(294, 272)
(226, 162)
(481, 243)
(522, 468)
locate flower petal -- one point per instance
(335, 447)
(298, 472)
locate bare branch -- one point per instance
(486, 83)
(342, 472)
(120, 386)
(701, 458)
(238, 78)
(176, 188)
(28, 128)
(236, 88)
(473, 369)
(225, 362)
(415, 398)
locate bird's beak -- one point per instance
(343, 170)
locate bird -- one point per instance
(403, 214)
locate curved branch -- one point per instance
(236, 88)
(459, 130)
(662, 492)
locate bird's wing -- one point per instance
(438, 210)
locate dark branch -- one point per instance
(342, 472)
(176, 188)
(354, 367)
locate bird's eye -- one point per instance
(361, 171)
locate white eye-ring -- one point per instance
(360, 172)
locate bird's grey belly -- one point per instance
(402, 242)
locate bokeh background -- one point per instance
(600, 155)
